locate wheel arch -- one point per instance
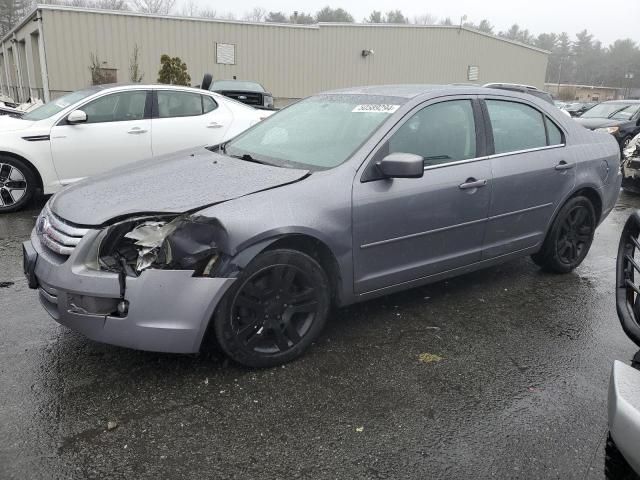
(590, 193)
(30, 165)
(305, 243)
(594, 197)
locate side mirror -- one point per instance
(402, 165)
(77, 116)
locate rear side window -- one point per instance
(554, 133)
(208, 104)
(440, 133)
(178, 104)
(516, 126)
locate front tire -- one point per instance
(569, 238)
(274, 310)
(17, 184)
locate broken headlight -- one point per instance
(178, 243)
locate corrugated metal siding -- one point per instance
(292, 62)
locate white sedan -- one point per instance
(105, 127)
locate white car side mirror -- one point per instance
(77, 116)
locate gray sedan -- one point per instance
(339, 198)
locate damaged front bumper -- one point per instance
(168, 310)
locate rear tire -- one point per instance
(569, 238)
(275, 309)
(18, 184)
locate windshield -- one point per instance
(236, 85)
(615, 111)
(320, 132)
(57, 105)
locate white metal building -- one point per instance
(49, 53)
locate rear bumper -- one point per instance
(168, 310)
(624, 412)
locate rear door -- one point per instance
(533, 172)
(117, 132)
(184, 120)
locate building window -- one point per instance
(225, 53)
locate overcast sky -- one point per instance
(607, 20)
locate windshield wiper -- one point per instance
(248, 158)
(618, 111)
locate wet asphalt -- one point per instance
(502, 373)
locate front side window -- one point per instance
(318, 133)
(117, 107)
(440, 133)
(515, 126)
(179, 104)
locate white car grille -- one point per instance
(57, 235)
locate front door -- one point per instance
(117, 132)
(533, 171)
(407, 229)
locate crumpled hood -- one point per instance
(176, 183)
(11, 124)
(593, 123)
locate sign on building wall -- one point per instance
(473, 73)
(226, 53)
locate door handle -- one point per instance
(564, 165)
(137, 131)
(214, 125)
(472, 183)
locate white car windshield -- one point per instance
(57, 105)
(320, 132)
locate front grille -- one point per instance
(56, 234)
(249, 98)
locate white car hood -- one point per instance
(12, 124)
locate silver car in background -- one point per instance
(339, 198)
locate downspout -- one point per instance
(8, 76)
(2, 90)
(43, 57)
(16, 61)
(28, 57)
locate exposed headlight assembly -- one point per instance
(610, 130)
(178, 243)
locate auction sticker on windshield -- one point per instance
(376, 107)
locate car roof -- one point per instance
(131, 85)
(411, 91)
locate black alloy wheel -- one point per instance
(576, 234)
(569, 238)
(274, 310)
